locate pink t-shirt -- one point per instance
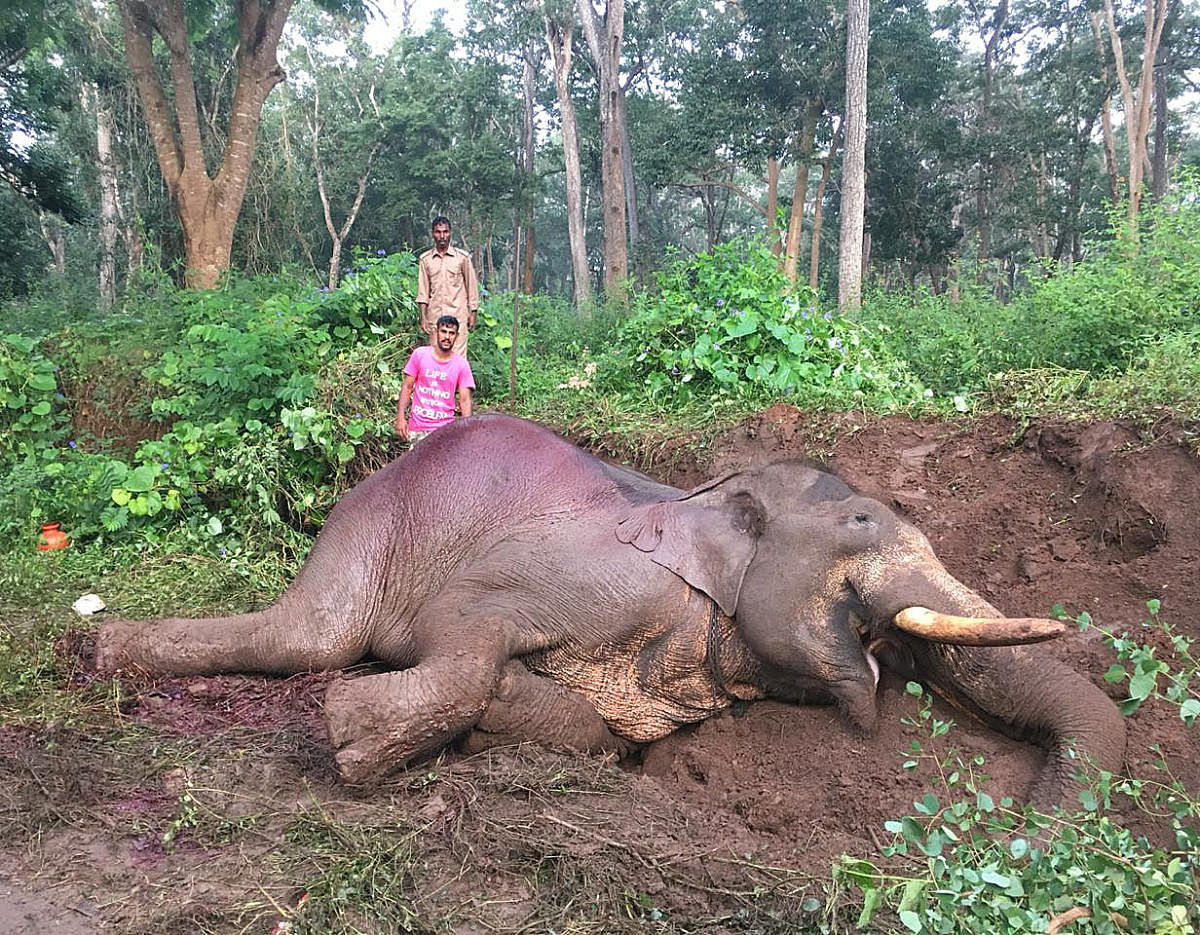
(435, 388)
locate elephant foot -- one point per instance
(529, 708)
(111, 641)
(376, 728)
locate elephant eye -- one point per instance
(860, 519)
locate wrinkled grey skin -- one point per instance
(524, 590)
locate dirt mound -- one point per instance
(723, 826)
(1092, 517)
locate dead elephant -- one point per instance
(525, 590)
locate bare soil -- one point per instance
(210, 804)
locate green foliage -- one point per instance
(268, 388)
(28, 390)
(967, 862)
(1175, 680)
(725, 324)
(1130, 307)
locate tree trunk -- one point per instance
(851, 253)
(1106, 127)
(207, 205)
(1158, 173)
(337, 235)
(631, 209)
(814, 259)
(1041, 239)
(56, 241)
(983, 207)
(559, 40)
(804, 148)
(530, 62)
(107, 171)
(773, 205)
(604, 39)
(1137, 105)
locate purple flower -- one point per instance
(164, 464)
(828, 316)
(358, 415)
(71, 443)
(224, 551)
(675, 370)
(720, 302)
(381, 253)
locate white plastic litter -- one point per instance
(88, 604)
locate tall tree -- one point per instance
(850, 249)
(560, 41)
(1137, 103)
(206, 203)
(604, 37)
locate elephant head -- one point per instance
(823, 582)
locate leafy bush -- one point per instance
(270, 389)
(726, 324)
(1122, 306)
(967, 863)
(28, 393)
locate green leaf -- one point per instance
(1115, 673)
(995, 878)
(1141, 684)
(43, 381)
(912, 894)
(41, 409)
(871, 899)
(1189, 710)
(215, 528)
(911, 920)
(120, 496)
(142, 479)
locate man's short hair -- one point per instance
(446, 321)
(440, 219)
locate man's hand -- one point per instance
(401, 429)
(471, 321)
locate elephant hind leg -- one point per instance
(283, 639)
(530, 708)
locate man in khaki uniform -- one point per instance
(446, 285)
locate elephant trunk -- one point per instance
(1026, 693)
(1021, 690)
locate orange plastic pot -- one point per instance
(51, 537)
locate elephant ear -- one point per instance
(707, 536)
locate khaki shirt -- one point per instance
(446, 285)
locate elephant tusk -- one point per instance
(976, 631)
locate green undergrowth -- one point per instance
(965, 861)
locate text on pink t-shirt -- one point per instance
(436, 386)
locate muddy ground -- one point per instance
(210, 804)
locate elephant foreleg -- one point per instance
(378, 723)
(533, 709)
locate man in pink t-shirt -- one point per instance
(431, 377)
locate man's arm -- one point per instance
(464, 400)
(423, 289)
(401, 423)
(472, 292)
